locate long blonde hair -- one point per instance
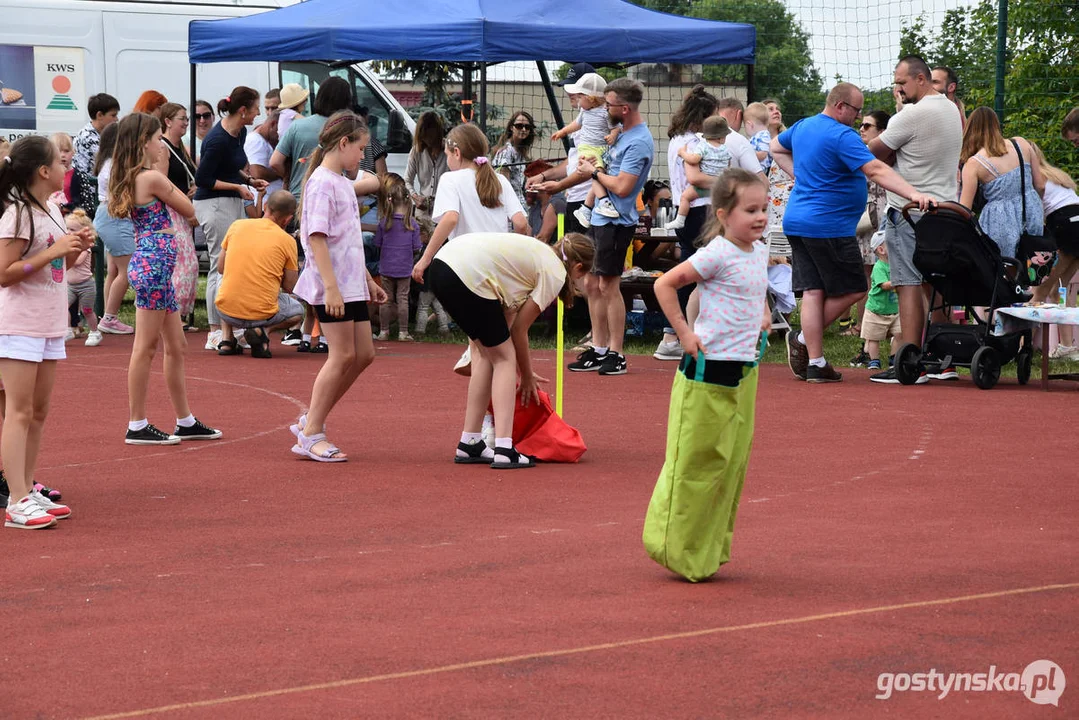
(128, 160)
(1052, 173)
(393, 192)
(342, 124)
(726, 191)
(470, 140)
(983, 131)
(573, 249)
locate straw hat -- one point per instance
(292, 95)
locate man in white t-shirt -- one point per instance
(923, 141)
(259, 148)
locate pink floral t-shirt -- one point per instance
(732, 298)
(37, 306)
(330, 207)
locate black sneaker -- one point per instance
(797, 355)
(150, 435)
(587, 361)
(888, 377)
(303, 346)
(292, 337)
(198, 431)
(613, 364)
(320, 349)
(860, 360)
(826, 374)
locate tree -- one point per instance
(784, 69)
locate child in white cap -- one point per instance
(594, 131)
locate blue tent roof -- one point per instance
(471, 31)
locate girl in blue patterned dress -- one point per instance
(138, 192)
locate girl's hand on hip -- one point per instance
(691, 344)
(335, 305)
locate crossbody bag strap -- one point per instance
(1022, 182)
(190, 177)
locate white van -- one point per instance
(56, 53)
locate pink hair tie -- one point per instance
(228, 99)
(481, 160)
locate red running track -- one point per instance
(883, 530)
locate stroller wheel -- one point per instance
(908, 363)
(1023, 362)
(985, 367)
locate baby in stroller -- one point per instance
(965, 268)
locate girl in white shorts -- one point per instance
(35, 250)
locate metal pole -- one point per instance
(483, 97)
(552, 100)
(751, 89)
(1002, 51)
(192, 110)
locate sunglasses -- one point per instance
(866, 126)
(204, 116)
(523, 126)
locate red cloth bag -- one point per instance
(539, 431)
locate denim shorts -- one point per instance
(899, 234)
(118, 235)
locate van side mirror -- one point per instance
(399, 139)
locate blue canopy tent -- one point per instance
(472, 32)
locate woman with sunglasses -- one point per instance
(223, 184)
(514, 151)
(203, 115)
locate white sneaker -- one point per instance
(241, 340)
(93, 339)
(489, 430)
(606, 208)
(213, 339)
(69, 335)
(1062, 352)
(668, 351)
(678, 223)
(464, 365)
(584, 216)
(27, 515)
(57, 510)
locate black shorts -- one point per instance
(833, 265)
(1063, 225)
(611, 242)
(481, 318)
(355, 311)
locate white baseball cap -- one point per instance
(588, 84)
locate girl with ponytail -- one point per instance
(335, 280)
(472, 197)
(36, 249)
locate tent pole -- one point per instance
(466, 90)
(750, 84)
(483, 97)
(194, 92)
(552, 100)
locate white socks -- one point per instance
(136, 425)
(188, 421)
(504, 443)
(677, 224)
(471, 438)
(818, 362)
(601, 350)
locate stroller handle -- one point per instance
(944, 208)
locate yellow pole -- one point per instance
(559, 337)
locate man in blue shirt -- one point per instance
(630, 160)
(830, 165)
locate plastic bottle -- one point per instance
(1063, 291)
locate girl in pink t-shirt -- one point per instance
(35, 250)
(334, 281)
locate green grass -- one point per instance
(837, 348)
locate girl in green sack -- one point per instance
(690, 521)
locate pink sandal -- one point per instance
(304, 443)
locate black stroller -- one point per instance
(965, 268)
